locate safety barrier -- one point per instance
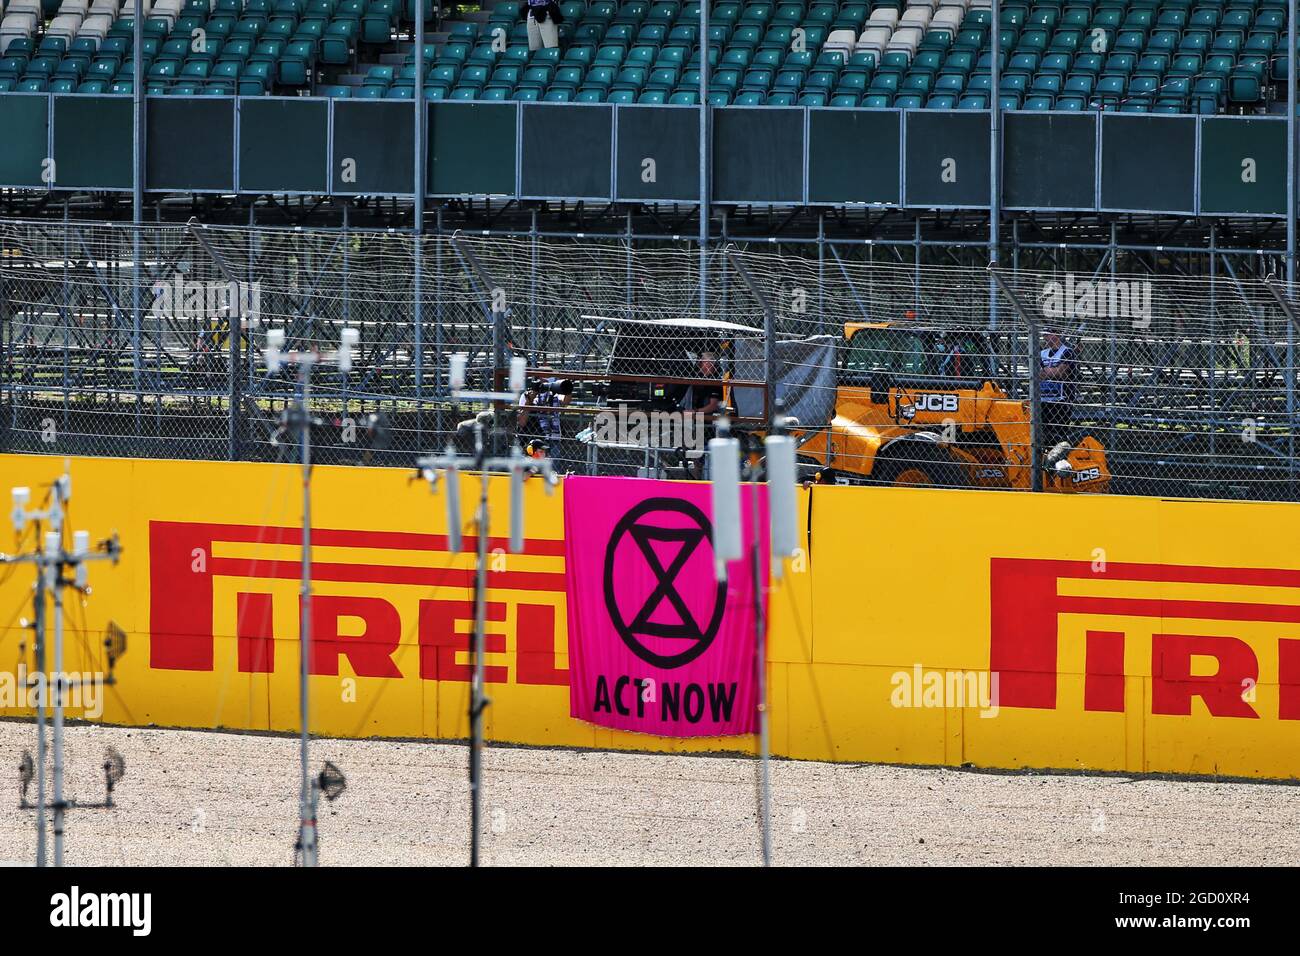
(916, 626)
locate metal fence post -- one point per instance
(421, 105)
(137, 199)
(438, 319)
(1035, 398)
(497, 308)
(1289, 309)
(234, 313)
(7, 376)
(769, 334)
(705, 173)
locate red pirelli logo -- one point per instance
(1026, 602)
(183, 568)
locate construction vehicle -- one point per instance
(922, 406)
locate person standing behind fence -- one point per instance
(538, 418)
(1057, 384)
(544, 21)
(705, 401)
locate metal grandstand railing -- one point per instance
(119, 342)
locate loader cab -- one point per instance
(880, 356)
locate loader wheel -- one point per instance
(917, 465)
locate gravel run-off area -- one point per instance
(209, 798)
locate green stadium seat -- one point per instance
(1245, 86)
(950, 83)
(1059, 63)
(1111, 89)
(1079, 85)
(255, 79)
(1047, 84)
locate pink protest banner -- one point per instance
(656, 644)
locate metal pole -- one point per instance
(56, 583)
(307, 815)
(497, 307)
(437, 318)
(235, 317)
(477, 700)
(995, 157)
(421, 105)
(1035, 400)
(704, 157)
(770, 371)
(760, 654)
(43, 687)
(453, 466)
(995, 140)
(1284, 301)
(137, 193)
(1290, 144)
(1290, 223)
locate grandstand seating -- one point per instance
(1162, 56)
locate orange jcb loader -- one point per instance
(915, 405)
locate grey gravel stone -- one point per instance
(204, 798)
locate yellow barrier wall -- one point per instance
(917, 626)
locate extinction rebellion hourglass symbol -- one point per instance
(667, 533)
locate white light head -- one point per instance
(81, 548)
(348, 340)
(456, 371)
(21, 498)
(52, 544)
(782, 480)
(274, 349)
(518, 373)
(724, 470)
